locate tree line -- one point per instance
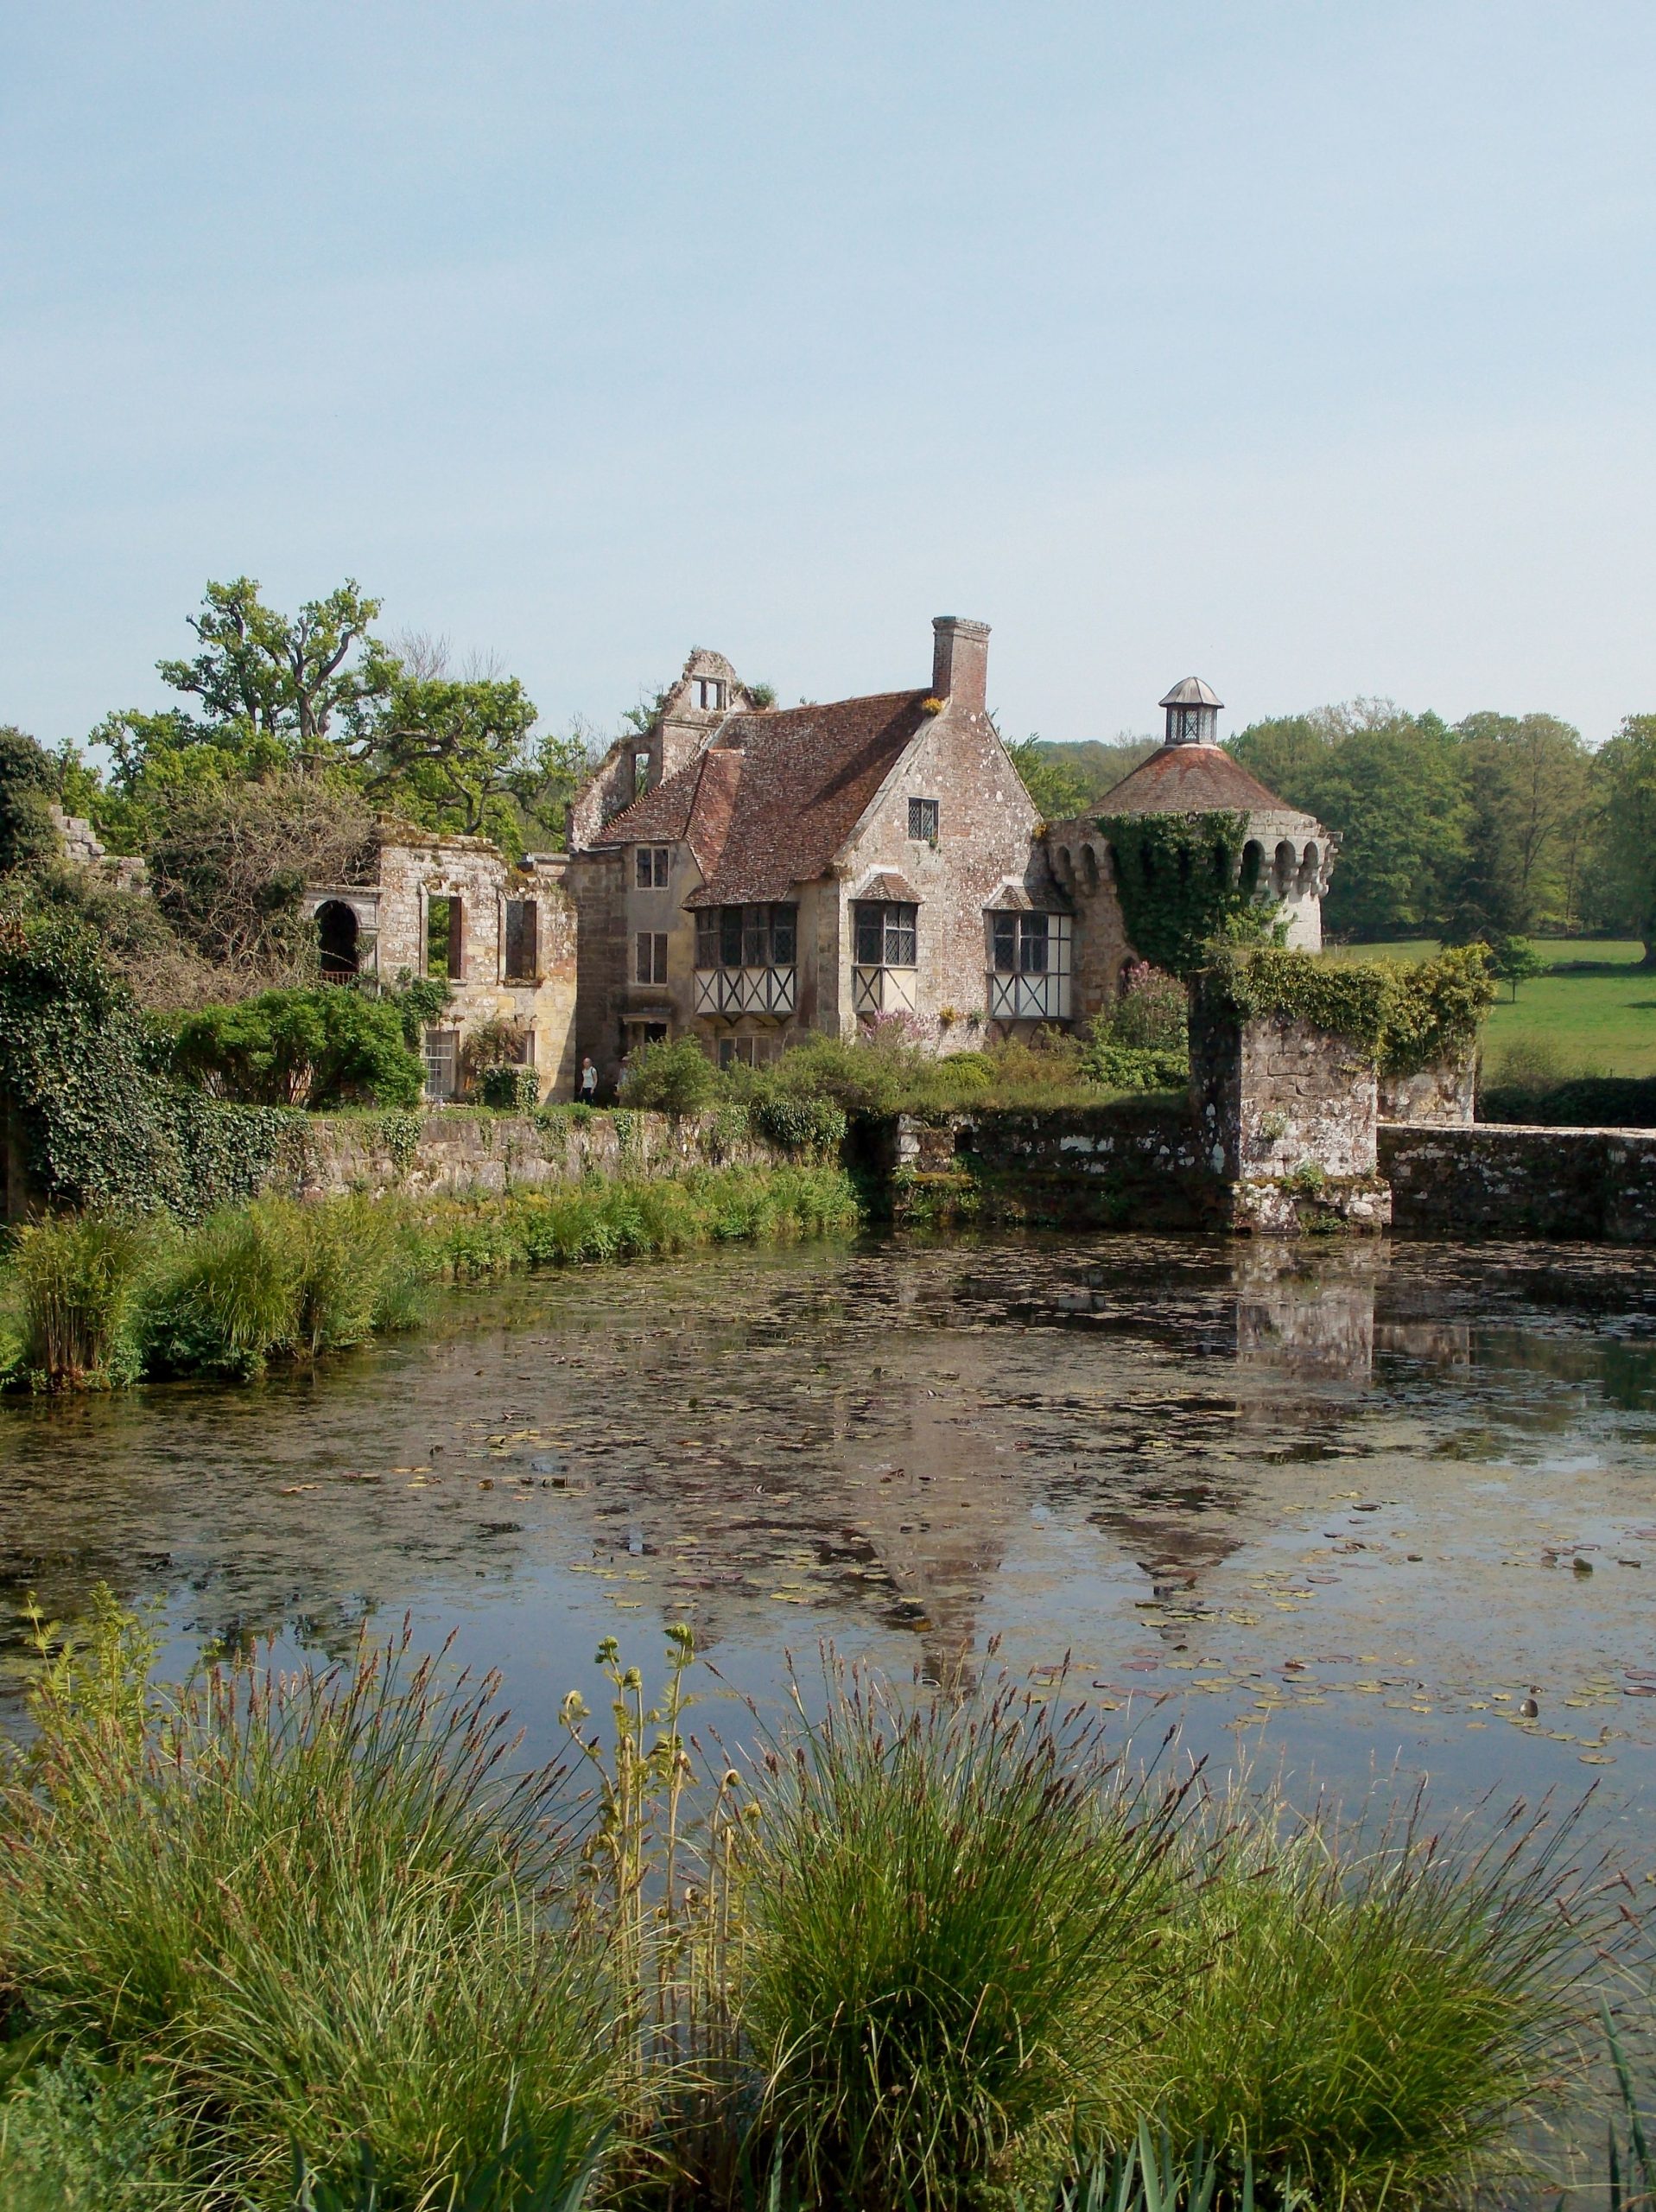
(1496, 826)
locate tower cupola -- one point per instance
(1192, 712)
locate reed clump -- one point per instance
(92, 1300)
(936, 1953)
(320, 1904)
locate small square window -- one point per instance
(923, 819)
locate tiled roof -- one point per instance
(695, 803)
(806, 775)
(893, 888)
(1190, 779)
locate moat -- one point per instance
(1338, 1508)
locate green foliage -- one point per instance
(1515, 961)
(101, 1124)
(1348, 999)
(1435, 1008)
(419, 1001)
(1366, 2014)
(315, 1897)
(1070, 776)
(668, 1078)
(1150, 1012)
(82, 2137)
(28, 785)
(508, 1088)
(326, 1046)
(1584, 1102)
(1627, 769)
(949, 1913)
(1134, 1067)
(1178, 878)
(91, 1302)
(77, 1284)
(799, 1123)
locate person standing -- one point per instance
(588, 1089)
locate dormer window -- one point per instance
(922, 820)
(710, 693)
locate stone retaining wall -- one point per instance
(463, 1149)
(1598, 1186)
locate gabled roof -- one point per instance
(694, 804)
(1190, 779)
(775, 795)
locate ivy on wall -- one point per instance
(1403, 1017)
(87, 1093)
(1179, 883)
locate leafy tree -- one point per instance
(1514, 960)
(1527, 780)
(446, 748)
(1627, 769)
(275, 692)
(1393, 785)
(29, 783)
(1056, 786)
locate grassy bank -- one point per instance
(933, 1956)
(90, 1301)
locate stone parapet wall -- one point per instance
(458, 1148)
(1597, 1186)
(1444, 1093)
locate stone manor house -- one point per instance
(746, 874)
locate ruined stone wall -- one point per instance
(984, 834)
(1276, 1099)
(1502, 1180)
(1445, 1093)
(461, 1148)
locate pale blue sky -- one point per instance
(1305, 345)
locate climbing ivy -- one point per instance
(1404, 1018)
(1436, 1009)
(87, 1091)
(1179, 883)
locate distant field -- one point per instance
(1594, 1013)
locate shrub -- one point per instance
(316, 1900)
(1126, 1067)
(948, 1914)
(508, 1088)
(672, 1078)
(799, 1123)
(328, 1047)
(1585, 1102)
(1152, 1013)
(1370, 2016)
(225, 1300)
(77, 1284)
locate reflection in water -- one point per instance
(1317, 1497)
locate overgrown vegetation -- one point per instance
(100, 1300)
(321, 1047)
(1405, 1017)
(1182, 886)
(937, 1954)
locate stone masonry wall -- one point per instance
(1287, 1118)
(459, 1149)
(1445, 1093)
(1598, 1186)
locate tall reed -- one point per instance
(319, 1902)
(77, 1280)
(950, 1914)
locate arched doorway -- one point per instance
(336, 937)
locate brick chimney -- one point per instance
(960, 662)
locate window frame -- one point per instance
(650, 957)
(762, 934)
(525, 966)
(879, 925)
(925, 821)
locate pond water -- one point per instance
(1348, 1511)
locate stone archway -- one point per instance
(338, 941)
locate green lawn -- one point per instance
(1594, 1013)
